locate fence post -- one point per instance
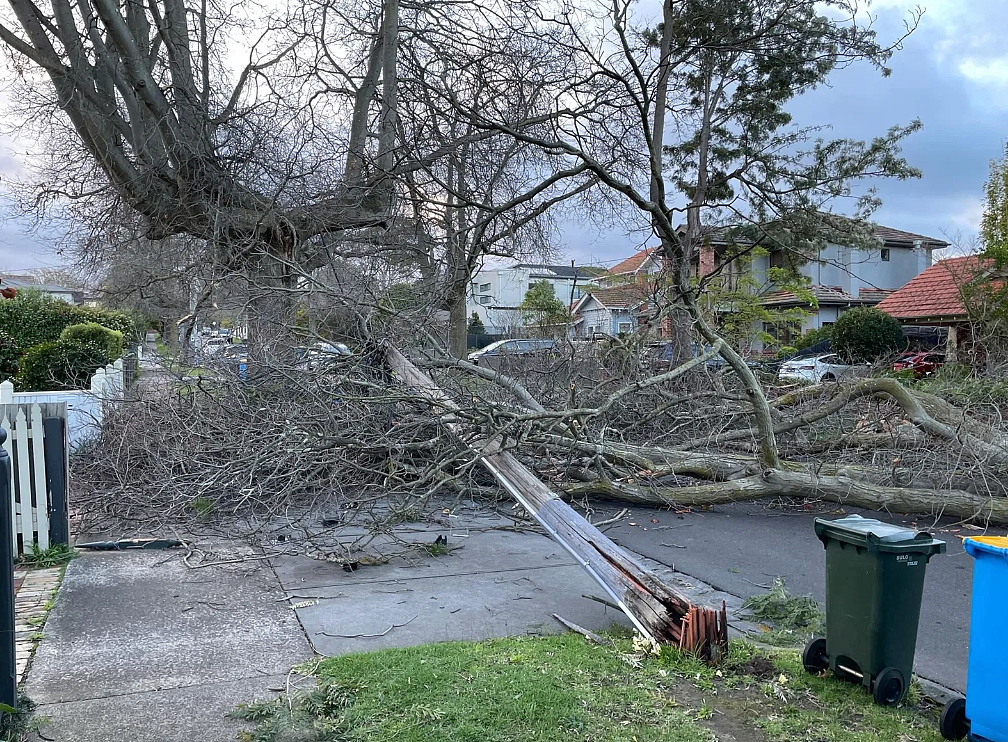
(98, 383)
(7, 392)
(119, 379)
(54, 445)
(8, 668)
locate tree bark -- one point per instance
(458, 322)
(789, 483)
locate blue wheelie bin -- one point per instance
(983, 714)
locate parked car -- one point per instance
(234, 359)
(922, 363)
(664, 358)
(504, 348)
(210, 347)
(816, 369)
(319, 354)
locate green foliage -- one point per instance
(994, 222)
(96, 337)
(56, 366)
(867, 334)
(542, 308)
(734, 307)
(791, 619)
(9, 357)
(813, 337)
(32, 318)
(476, 326)
(53, 556)
(753, 58)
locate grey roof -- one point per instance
(888, 235)
(564, 271)
(898, 237)
(24, 282)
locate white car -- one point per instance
(816, 369)
(320, 354)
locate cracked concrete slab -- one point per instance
(501, 583)
(134, 634)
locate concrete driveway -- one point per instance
(740, 548)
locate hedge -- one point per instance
(31, 318)
(94, 336)
(866, 334)
(57, 366)
(9, 357)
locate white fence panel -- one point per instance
(26, 448)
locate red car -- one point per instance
(922, 364)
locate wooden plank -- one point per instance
(22, 485)
(41, 499)
(9, 448)
(655, 609)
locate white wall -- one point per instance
(507, 289)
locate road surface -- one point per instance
(740, 548)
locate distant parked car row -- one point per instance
(497, 351)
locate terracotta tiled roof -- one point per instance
(618, 297)
(936, 293)
(633, 263)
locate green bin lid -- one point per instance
(870, 532)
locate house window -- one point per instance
(484, 287)
(485, 299)
(885, 254)
(624, 327)
(781, 259)
(531, 285)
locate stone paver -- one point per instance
(33, 590)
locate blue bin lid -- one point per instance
(997, 545)
(860, 531)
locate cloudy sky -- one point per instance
(952, 74)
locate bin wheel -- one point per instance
(814, 657)
(887, 690)
(953, 724)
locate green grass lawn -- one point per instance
(563, 689)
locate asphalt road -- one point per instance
(740, 548)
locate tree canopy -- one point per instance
(994, 222)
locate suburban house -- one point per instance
(611, 311)
(496, 293)
(843, 276)
(62, 293)
(938, 298)
(640, 268)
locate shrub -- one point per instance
(476, 326)
(814, 337)
(56, 366)
(867, 334)
(31, 318)
(9, 356)
(94, 336)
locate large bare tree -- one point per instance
(141, 105)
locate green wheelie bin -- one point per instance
(874, 583)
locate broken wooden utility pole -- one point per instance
(656, 610)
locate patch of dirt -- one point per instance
(732, 709)
(761, 668)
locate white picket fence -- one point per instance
(84, 407)
(21, 415)
(25, 448)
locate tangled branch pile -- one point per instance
(347, 445)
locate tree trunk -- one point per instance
(458, 322)
(839, 489)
